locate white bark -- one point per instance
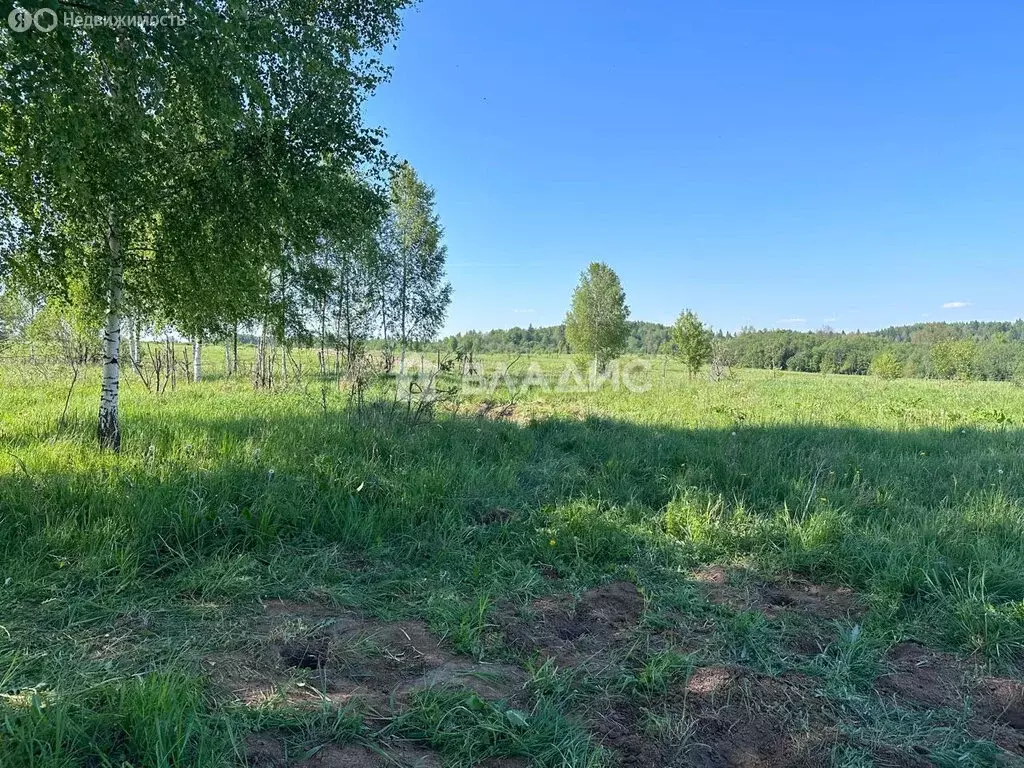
(109, 426)
(197, 360)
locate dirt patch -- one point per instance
(489, 681)
(305, 652)
(742, 718)
(714, 575)
(549, 572)
(602, 619)
(773, 598)
(312, 654)
(263, 751)
(938, 680)
(253, 676)
(925, 677)
(506, 762)
(722, 717)
(1002, 700)
(356, 756)
(617, 606)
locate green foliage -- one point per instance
(411, 242)
(202, 158)
(155, 720)
(464, 724)
(660, 670)
(954, 359)
(693, 341)
(886, 366)
(596, 322)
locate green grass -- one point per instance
(119, 573)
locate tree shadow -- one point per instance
(886, 510)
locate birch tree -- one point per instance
(413, 245)
(147, 162)
(693, 341)
(596, 321)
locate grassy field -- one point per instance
(766, 570)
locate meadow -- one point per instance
(770, 569)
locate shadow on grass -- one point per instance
(902, 513)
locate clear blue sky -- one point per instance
(778, 164)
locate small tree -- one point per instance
(692, 340)
(722, 360)
(596, 322)
(954, 359)
(886, 366)
(412, 242)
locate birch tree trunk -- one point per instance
(197, 360)
(109, 430)
(323, 341)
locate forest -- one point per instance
(986, 351)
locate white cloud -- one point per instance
(956, 304)
(793, 320)
(524, 311)
(829, 319)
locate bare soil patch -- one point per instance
(772, 598)
(356, 756)
(262, 751)
(938, 680)
(265, 751)
(604, 618)
(314, 654)
(743, 718)
(722, 717)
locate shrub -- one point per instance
(886, 366)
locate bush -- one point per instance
(886, 366)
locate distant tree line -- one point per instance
(990, 351)
(642, 338)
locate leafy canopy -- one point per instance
(692, 341)
(596, 323)
(209, 148)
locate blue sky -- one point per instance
(777, 164)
